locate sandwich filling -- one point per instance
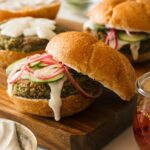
(41, 77)
(27, 34)
(130, 43)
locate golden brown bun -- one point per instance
(132, 15)
(7, 56)
(86, 54)
(49, 11)
(71, 105)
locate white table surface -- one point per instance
(125, 141)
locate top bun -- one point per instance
(84, 53)
(43, 11)
(131, 15)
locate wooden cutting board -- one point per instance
(88, 130)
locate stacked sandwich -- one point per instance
(25, 28)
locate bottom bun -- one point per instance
(7, 57)
(70, 106)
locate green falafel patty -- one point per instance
(29, 89)
(22, 44)
(25, 44)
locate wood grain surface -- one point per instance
(90, 129)
(142, 68)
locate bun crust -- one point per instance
(7, 57)
(71, 105)
(49, 11)
(86, 54)
(131, 15)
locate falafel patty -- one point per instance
(25, 44)
(34, 90)
(144, 47)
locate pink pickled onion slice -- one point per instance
(34, 58)
(48, 62)
(79, 89)
(28, 69)
(53, 74)
(14, 76)
(45, 56)
(112, 35)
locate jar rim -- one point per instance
(139, 84)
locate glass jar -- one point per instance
(141, 123)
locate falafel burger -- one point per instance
(69, 78)
(24, 36)
(123, 25)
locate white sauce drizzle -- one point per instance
(9, 89)
(134, 47)
(120, 44)
(55, 101)
(14, 5)
(28, 26)
(8, 136)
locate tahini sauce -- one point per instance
(28, 26)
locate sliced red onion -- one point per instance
(34, 58)
(79, 89)
(54, 73)
(48, 62)
(45, 56)
(112, 35)
(28, 69)
(15, 75)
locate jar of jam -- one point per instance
(141, 123)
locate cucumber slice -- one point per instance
(25, 76)
(58, 77)
(41, 65)
(134, 38)
(46, 71)
(99, 27)
(34, 64)
(13, 65)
